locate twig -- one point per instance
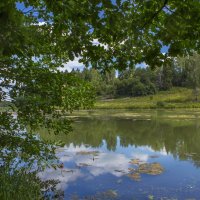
(155, 14)
(169, 9)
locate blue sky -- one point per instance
(20, 6)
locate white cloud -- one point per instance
(96, 42)
(42, 23)
(142, 65)
(75, 64)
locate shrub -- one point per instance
(21, 185)
(161, 104)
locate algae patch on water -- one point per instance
(135, 161)
(144, 168)
(150, 168)
(135, 176)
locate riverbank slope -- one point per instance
(175, 98)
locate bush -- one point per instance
(161, 104)
(139, 89)
(22, 185)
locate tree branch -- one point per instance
(169, 9)
(155, 14)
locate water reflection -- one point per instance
(178, 137)
(172, 142)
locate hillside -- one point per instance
(175, 98)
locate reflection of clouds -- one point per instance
(113, 163)
(68, 155)
(108, 163)
(101, 164)
(74, 149)
(65, 159)
(63, 176)
(141, 156)
(149, 150)
(163, 152)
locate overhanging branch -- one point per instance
(155, 14)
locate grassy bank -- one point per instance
(175, 98)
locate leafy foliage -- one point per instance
(39, 36)
(22, 185)
(30, 79)
(190, 65)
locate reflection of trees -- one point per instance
(178, 139)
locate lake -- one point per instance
(127, 155)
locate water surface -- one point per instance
(97, 156)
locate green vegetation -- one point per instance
(37, 37)
(133, 82)
(175, 98)
(190, 65)
(21, 185)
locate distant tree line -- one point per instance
(137, 81)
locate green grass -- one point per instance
(175, 98)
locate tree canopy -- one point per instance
(128, 31)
